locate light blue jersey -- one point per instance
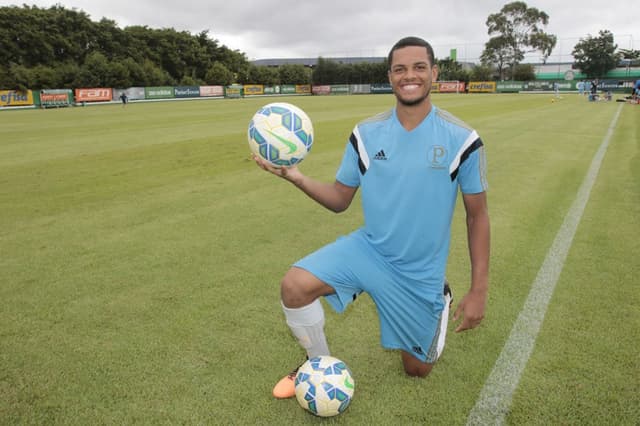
(409, 182)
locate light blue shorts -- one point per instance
(410, 312)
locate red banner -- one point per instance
(451, 86)
(321, 90)
(93, 95)
(55, 97)
(211, 91)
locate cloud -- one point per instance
(298, 28)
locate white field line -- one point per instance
(494, 401)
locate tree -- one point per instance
(524, 72)
(545, 43)
(154, 75)
(481, 73)
(516, 30)
(499, 54)
(94, 72)
(44, 77)
(380, 72)
(594, 56)
(35, 41)
(66, 74)
(325, 72)
(117, 76)
(111, 40)
(449, 69)
(294, 74)
(234, 60)
(219, 74)
(630, 57)
(136, 72)
(5, 79)
(15, 77)
(329, 71)
(262, 75)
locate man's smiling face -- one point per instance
(411, 75)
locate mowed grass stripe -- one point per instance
(495, 399)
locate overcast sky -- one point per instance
(266, 29)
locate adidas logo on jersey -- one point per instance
(380, 155)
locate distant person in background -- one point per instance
(636, 91)
(124, 98)
(594, 91)
(580, 87)
(556, 89)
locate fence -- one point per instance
(84, 96)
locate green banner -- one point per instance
(164, 92)
(509, 86)
(538, 86)
(340, 89)
(534, 86)
(288, 89)
(271, 90)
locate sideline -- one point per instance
(495, 398)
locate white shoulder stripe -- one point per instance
(364, 157)
(473, 136)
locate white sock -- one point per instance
(307, 324)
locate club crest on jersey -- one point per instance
(437, 157)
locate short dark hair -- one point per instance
(412, 41)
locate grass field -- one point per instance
(141, 252)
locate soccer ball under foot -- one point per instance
(324, 386)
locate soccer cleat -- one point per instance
(448, 296)
(286, 387)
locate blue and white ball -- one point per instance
(281, 133)
(324, 386)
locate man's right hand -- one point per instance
(291, 173)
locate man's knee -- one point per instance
(290, 290)
(414, 367)
(298, 288)
(418, 371)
